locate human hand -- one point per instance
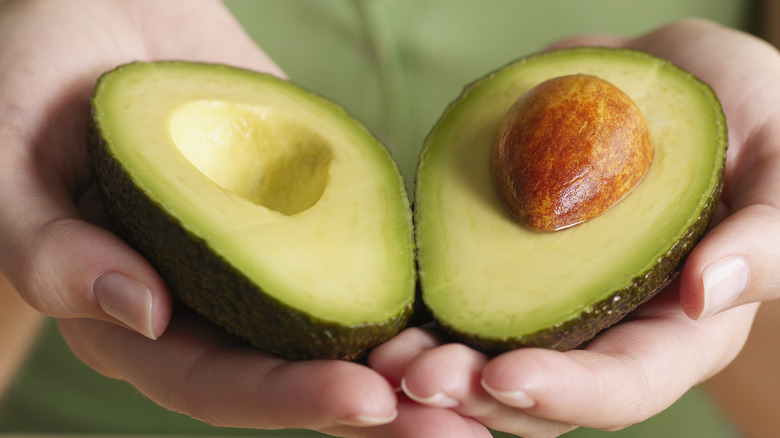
(51, 245)
(56, 250)
(641, 366)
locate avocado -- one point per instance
(266, 208)
(496, 284)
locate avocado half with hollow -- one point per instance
(265, 208)
(497, 285)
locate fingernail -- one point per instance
(515, 398)
(439, 400)
(724, 280)
(127, 300)
(367, 420)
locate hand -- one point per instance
(61, 259)
(641, 366)
(50, 57)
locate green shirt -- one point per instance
(394, 65)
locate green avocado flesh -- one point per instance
(496, 285)
(265, 208)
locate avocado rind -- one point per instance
(586, 319)
(211, 286)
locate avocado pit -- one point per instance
(568, 150)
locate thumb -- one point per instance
(734, 264)
(66, 267)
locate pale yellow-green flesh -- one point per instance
(485, 274)
(287, 188)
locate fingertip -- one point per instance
(132, 303)
(438, 399)
(444, 376)
(125, 290)
(367, 420)
(691, 291)
(416, 420)
(80, 270)
(724, 281)
(732, 264)
(391, 358)
(332, 393)
(516, 398)
(528, 378)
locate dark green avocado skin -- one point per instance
(215, 289)
(576, 332)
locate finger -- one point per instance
(733, 264)
(415, 420)
(66, 267)
(196, 370)
(627, 374)
(390, 359)
(450, 376)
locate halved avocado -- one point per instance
(496, 285)
(265, 208)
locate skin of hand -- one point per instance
(679, 339)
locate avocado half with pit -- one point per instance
(496, 284)
(265, 208)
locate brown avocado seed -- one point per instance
(568, 150)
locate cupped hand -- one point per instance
(52, 247)
(57, 252)
(638, 368)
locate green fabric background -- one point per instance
(394, 65)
